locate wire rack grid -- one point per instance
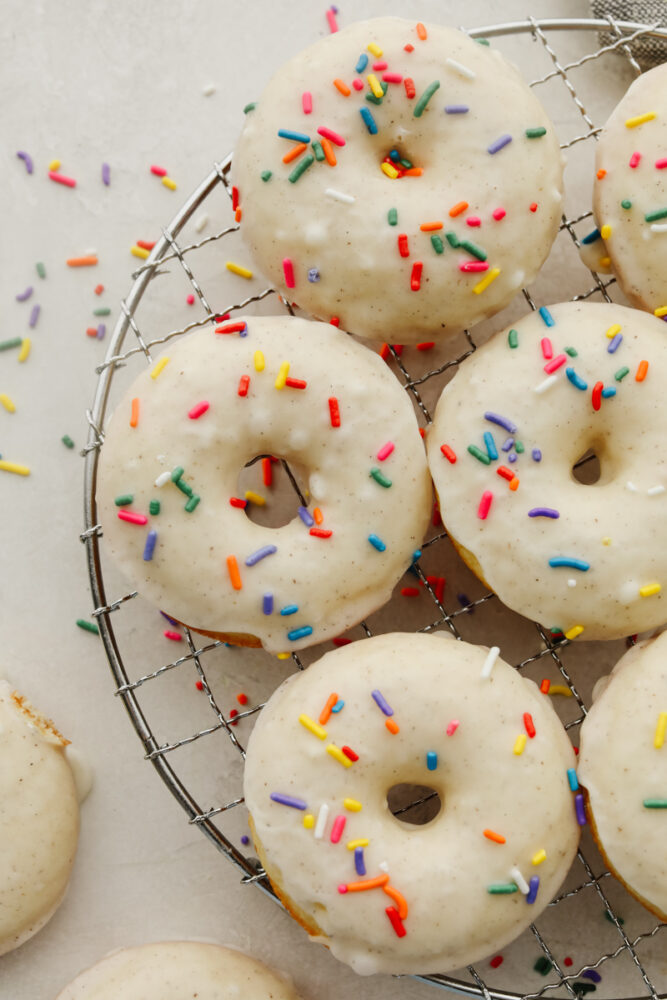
(129, 341)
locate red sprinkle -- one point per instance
(132, 517)
(334, 321)
(231, 328)
(634, 160)
(484, 505)
(350, 754)
(244, 382)
(529, 724)
(533, 206)
(237, 502)
(437, 584)
(340, 641)
(661, 164)
(545, 685)
(159, 171)
(403, 248)
(473, 266)
(331, 18)
(498, 214)
(190, 299)
(596, 395)
(416, 276)
(232, 715)
(197, 411)
(145, 245)
(567, 961)
(235, 198)
(410, 591)
(267, 472)
(547, 349)
(426, 345)
(295, 383)
(497, 961)
(288, 271)
(174, 636)
(61, 179)
(473, 220)
(91, 331)
(408, 48)
(334, 411)
(199, 685)
(555, 363)
(506, 473)
(396, 921)
(321, 532)
(99, 289)
(448, 452)
(242, 698)
(409, 85)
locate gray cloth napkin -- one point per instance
(647, 51)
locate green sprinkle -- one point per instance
(318, 151)
(41, 270)
(621, 373)
(502, 888)
(513, 338)
(626, 203)
(408, 164)
(478, 453)
(184, 487)
(655, 803)
(556, 630)
(124, 499)
(266, 175)
(418, 110)
(519, 448)
(380, 478)
(14, 342)
(392, 217)
(660, 213)
(535, 133)
(571, 351)
(67, 441)
(102, 311)
(483, 41)
(437, 243)
(301, 168)
(581, 988)
(192, 503)
(154, 507)
(373, 99)
(177, 473)
(87, 626)
(543, 965)
(473, 249)
(250, 107)
(452, 239)
(609, 917)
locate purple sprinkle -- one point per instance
(496, 418)
(34, 315)
(306, 517)
(579, 809)
(267, 604)
(615, 343)
(512, 457)
(149, 548)
(359, 865)
(27, 159)
(543, 512)
(593, 975)
(534, 885)
(288, 800)
(101, 331)
(381, 703)
(245, 839)
(267, 550)
(313, 275)
(503, 140)
(537, 455)
(106, 174)
(172, 621)
(508, 444)
(457, 109)
(464, 601)
(23, 296)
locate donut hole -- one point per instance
(282, 497)
(414, 804)
(587, 469)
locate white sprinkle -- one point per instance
(384, 867)
(653, 492)
(572, 582)
(460, 68)
(491, 658)
(520, 880)
(163, 478)
(322, 818)
(659, 227)
(548, 382)
(631, 486)
(339, 195)
(208, 89)
(201, 222)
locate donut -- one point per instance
(571, 380)
(401, 178)
(335, 743)
(623, 771)
(39, 819)
(630, 192)
(174, 970)
(168, 493)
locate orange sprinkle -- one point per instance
(430, 227)
(294, 152)
(238, 214)
(457, 209)
(497, 838)
(267, 472)
(392, 726)
(234, 575)
(600, 174)
(368, 883)
(328, 150)
(421, 33)
(384, 352)
(99, 289)
(91, 331)
(414, 172)
(342, 87)
(89, 261)
(514, 483)
(134, 415)
(318, 515)
(641, 371)
(399, 899)
(325, 714)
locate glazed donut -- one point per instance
(426, 188)
(623, 770)
(630, 191)
(39, 819)
(394, 710)
(567, 380)
(174, 970)
(275, 386)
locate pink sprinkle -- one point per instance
(337, 828)
(288, 271)
(129, 515)
(452, 727)
(555, 363)
(547, 348)
(61, 179)
(474, 266)
(331, 18)
(196, 412)
(634, 160)
(307, 102)
(358, 84)
(662, 163)
(381, 64)
(499, 213)
(385, 451)
(484, 505)
(190, 299)
(158, 171)
(392, 78)
(474, 220)
(342, 889)
(328, 133)
(174, 636)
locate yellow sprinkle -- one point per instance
(283, 372)
(243, 272)
(639, 119)
(574, 631)
(7, 403)
(606, 540)
(650, 590)
(560, 689)
(20, 470)
(160, 366)
(374, 84)
(605, 232)
(338, 755)
(139, 252)
(168, 183)
(362, 842)
(613, 330)
(313, 727)
(660, 311)
(539, 857)
(374, 49)
(389, 170)
(258, 358)
(283, 656)
(25, 349)
(520, 744)
(605, 261)
(308, 819)
(660, 731)
(486, 280)
(255, 498)
(352, 805)
(54, 165)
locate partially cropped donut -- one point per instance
(335, 743)
(400, 177)
(566, 382)
(273, 386)
(623, 768)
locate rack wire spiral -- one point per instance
(545, 651)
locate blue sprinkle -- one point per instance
(534, 885)
(369, 121)
(576, 380)
(570, 562)
(547, 317)
(381, 702)
(244, 331)
(491, 449)
(359, 865)
(615, 343)
(149, 547)
(543, 512)
(573, 781)
(416, 555)
(377, 543)
(508, 444)
(606, 393)
(592, 975)
(497, 418)
(512, 457)
(267, 604)
(499, 144)
(262, 553)
(431, 760)
(289, 609)
(286, 133)
(306, 517)
(338, 706)
(245, 839)
(300, 633)
(288, 800)
(537, 455)
(592, 237)
(313, 275)
(464, 601)
(171, 621)
(457, 109)
(362, 63)
(395, 155)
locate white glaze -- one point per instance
(442, 868)
(363, 278)
(638, 252)
(39, 820)
(617, 526)
(176, 970)
(334, 581)
(620, 767)
(82, 772)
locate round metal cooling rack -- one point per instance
(623, 950)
